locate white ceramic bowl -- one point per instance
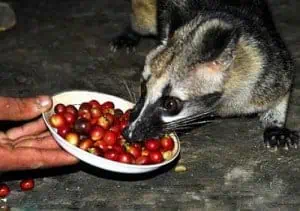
(78, 97)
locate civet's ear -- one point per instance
(216, 42)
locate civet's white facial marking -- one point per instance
(133, 124)
(184, 113)
(155, 89)
(154, 86)
(179, 92)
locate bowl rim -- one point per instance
(176, 151)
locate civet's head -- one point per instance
(183, 80)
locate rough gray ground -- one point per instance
(63, 45)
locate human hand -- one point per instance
(29, 146)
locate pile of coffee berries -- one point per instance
(97, 128)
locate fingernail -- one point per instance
(43, 101)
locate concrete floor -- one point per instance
(63, 45)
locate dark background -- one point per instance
(63, 45)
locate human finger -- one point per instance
(31, 137)
(24, 108)
(46, 142)
(31, 128)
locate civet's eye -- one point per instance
(172, 105)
